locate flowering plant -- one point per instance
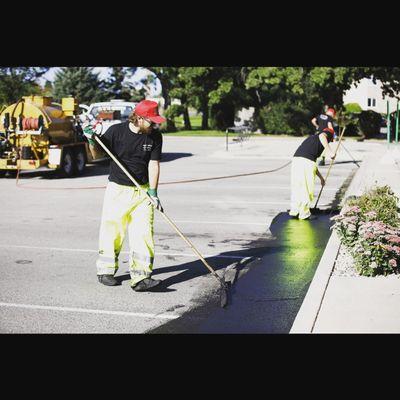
(369, 228)
(377, 250)
(347, 224)
(382, 201)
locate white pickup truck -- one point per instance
(109, 112)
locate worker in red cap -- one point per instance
(137, 144)
(304, 170)
(322, 121)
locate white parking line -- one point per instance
(90, 311)
(122, 252)
(223, 222)
(243, 188)
(245, 202)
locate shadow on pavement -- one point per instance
(174, 156)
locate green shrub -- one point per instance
(352, 108)
(285, 118)
(275, 119)
(370, 123)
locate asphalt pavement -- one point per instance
(49, 235)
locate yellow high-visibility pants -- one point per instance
(126, 209)
(302, 186)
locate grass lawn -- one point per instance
(195, 122)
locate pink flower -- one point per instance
(393, 263)
(393, 238)
(371, 214)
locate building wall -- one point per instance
(365, 90)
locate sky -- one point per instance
(103, 73)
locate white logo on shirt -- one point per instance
(323, 116)
(147, 147)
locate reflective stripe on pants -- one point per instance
(125, 209)
(302, 186)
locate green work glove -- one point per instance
(156, 201)
(89, 132)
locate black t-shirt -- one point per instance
(133, 150)
(322, 121)
(311, 148)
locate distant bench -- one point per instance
(243, 132)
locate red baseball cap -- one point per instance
(332, 110)
(149, 109)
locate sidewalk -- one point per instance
(349, 304)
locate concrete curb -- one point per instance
(308, 313)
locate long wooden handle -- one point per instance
(330, 166)
(162, 212)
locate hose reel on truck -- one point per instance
(35, 132)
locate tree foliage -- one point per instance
(284, 98)
(81, 83)
(16, 82)
(118, 86)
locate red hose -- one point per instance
(30, 124)
(24, 186)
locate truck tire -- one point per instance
(67, 168)
(80, 160)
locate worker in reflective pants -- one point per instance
(126, 209)
(304, 170)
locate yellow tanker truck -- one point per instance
(36, 132)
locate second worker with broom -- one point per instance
(303, 172)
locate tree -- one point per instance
(277, 95)
(182, 92)
(201, 82)
(118, 87)
(167, 77)
(16, 82)
(389, 76)
(295, 94)
(207, 89)
(330, 83)
(81, 83)
(228, 97)
(48, 89)
(216, 92)
(115, 84)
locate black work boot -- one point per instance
(107, 280)
(146, 284)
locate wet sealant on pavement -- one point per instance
(267, 298)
